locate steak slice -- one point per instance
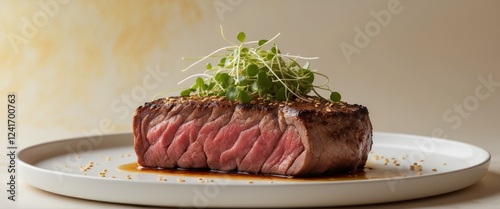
(295, 139)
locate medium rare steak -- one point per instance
(284, 138)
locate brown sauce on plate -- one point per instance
(367, 173)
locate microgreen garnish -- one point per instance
(247, 70)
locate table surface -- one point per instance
(483, 194)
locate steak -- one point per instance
(296, 138)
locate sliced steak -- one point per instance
(295, 139)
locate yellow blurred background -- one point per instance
(81, 67)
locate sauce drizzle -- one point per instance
(367, 173)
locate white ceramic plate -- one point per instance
(63, 167)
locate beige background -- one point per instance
(85, 61)
(79, 67)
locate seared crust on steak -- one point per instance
(285, 138)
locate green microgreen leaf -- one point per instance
(187, 92)
(199, 81)
(224, 80)
(281, 94)
(335, 96)
(241, 37)
(232, 93)
(308, 76)
(273, 50)
(211, 86)
(222, 62)
(264, 81)
(255, 87)
(262, 42)
(270, 56)
(208, 66)
(242, 81)
(252, 70)
(245, 97)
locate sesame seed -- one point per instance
(89, 165)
